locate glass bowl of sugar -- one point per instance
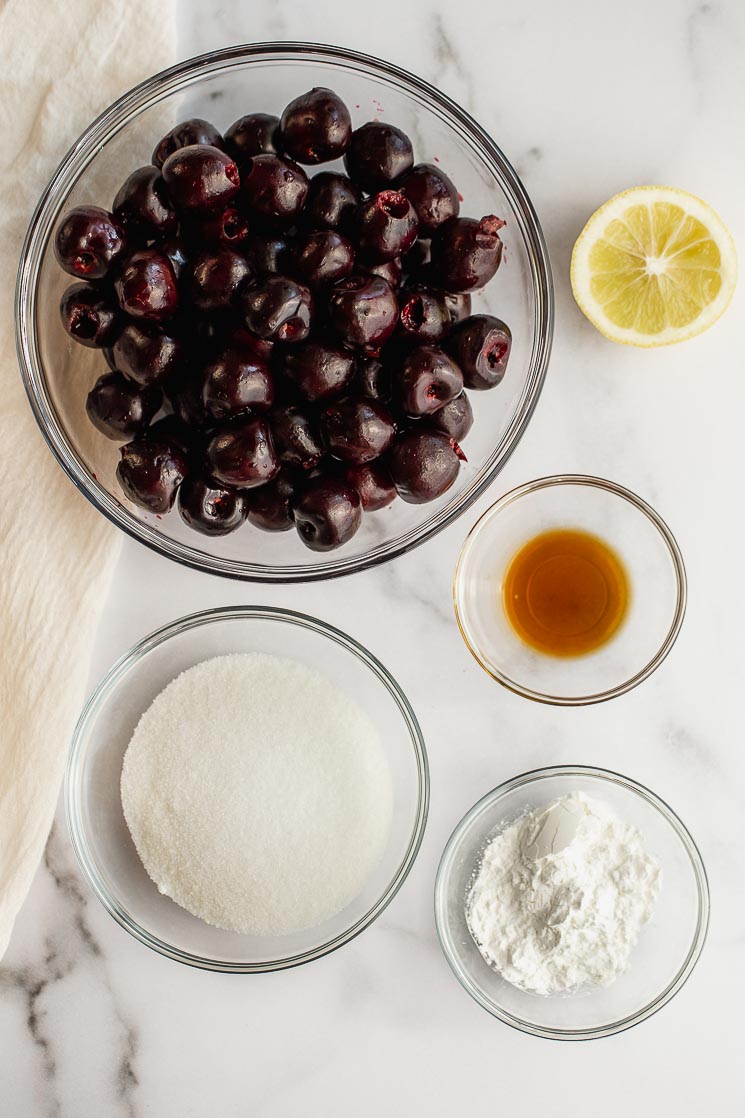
(247, 789)
(634, 918)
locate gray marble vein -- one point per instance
(70, 949)
(451, 71)
(29, 985)
(127, 1079)
(698, 23)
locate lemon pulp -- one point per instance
(652, 266)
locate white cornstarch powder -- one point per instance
(560, 896)
(257, 794)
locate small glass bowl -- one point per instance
(221, 86)
(653, 563)
(98, 830)
(669, 945)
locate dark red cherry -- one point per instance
(189, 132)
(455, 419)
(238, 337)
(432, 194)
(211, 507)
(236, 381)
(390, 270)
(268, 253)
(316, 127)
(458, 304)
(119, 408)
(150, 472)
(186, 439)
(200, 179)
(466, 253)
(175, 250)
(386, 226)
(323, 257)
(424, 276)
(416, 262)
(275, 188)
(242, 454)
(374, 484)
(146, 286)
(332, 202)
(357, 431)
(216, 278)
(424, 464)
(277, 308)
(228, 228)
(146, 354)
(481, 347)
(271, 506)
(89, 315)
(318, 370)
(426, 380)
(424, 314)
(373, 379)
(89, 241)
(297, 437)
(143, 205)
(328, 513)
(255, 134)
(184, 392)
(378, 154)
(363, 311)
(204, 328)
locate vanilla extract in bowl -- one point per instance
(566, 592)
(570, 590)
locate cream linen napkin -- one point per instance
(61, 63)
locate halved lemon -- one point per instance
(653, 266)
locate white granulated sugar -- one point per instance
(257, 794)
(560, 896)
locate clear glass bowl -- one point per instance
(98, 830)
(221, 86)
(653, 563)
(669, 945)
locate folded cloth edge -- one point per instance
(60, 65)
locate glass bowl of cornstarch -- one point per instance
(247, 789)
(571, 903)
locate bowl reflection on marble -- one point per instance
(222, 86)
(669, 945)
(98, 830)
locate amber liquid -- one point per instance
(566, 592)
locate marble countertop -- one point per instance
(585, 99)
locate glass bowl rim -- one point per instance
(592, 772)
(668, 539)
(74, 163)
(107, 686)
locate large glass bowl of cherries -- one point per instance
(261, 343)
